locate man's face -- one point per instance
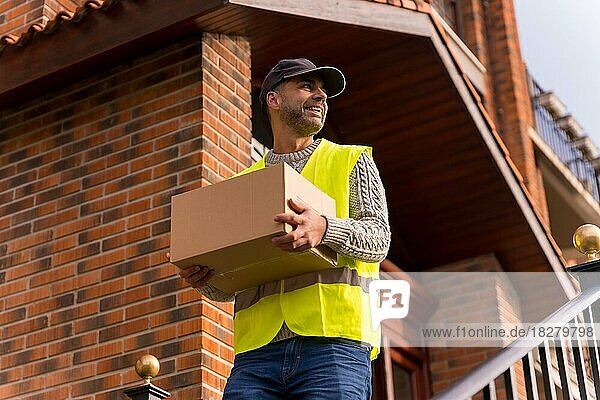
(303, 104)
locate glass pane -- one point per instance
(402, 384)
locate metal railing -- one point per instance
(563, 146)
(575, 362)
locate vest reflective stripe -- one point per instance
(329, 303)
(249, 297)
(328, 276)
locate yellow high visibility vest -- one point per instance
(329, 303)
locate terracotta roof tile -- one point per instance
(68, 17)
(52, 25)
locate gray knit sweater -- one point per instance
(364, 236)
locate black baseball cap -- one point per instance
(333, 79)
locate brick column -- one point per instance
(512, 105)
(475, 37)
(226, 144)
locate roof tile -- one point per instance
(65, 16)
(52, 25)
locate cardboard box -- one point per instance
(228, 226)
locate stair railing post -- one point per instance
(147, 368)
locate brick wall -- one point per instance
(86, 176)
(474, 35)
(483, 298)
(16, 16)
(490, 31)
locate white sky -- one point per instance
(560, 40)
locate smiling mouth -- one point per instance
(317, 110)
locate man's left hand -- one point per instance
(309, 228)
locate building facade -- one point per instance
(109, 108)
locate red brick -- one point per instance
(50, 304)
(101, 260)
(35, 212)
(211, 379)
(126, 268)
(151, 275)
(26, 326)
(96, 385)
(127, 210)
(188, 296)
(28, 269)
(12, 287)
(69, 375)
(152, 337)
(98, 352)
(124, 298)
(131, 236)
(58, 245)
(216, 331)
(59, 393)
(149, 246)
(31, 295)
(76, 313)
(24, 386)
(23, 357)
(10, 375)
(11, 346)
(189, 327)
(126, 361)
(215, 364)
(29, 241)
(147, 217)
(56, 274)
(174, 315)
(48, 335)
(103, 204)
(76, 254)
(223, 319)
(102, 231)
(73, 343)
(100, 290)
(149, 307)
(188, 361)
(127, 328)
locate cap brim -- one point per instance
(333, 79)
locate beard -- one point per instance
(295, 118)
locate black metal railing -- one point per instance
(564, 147)
(576, 360)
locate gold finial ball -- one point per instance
(586, 239)
(147, 367)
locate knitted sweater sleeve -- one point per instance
(366, 234)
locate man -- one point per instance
(309, 337)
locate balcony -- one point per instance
(566, 138)
(569, 163)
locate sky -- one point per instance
(560, 41)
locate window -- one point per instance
(400, 374)
(449, 10)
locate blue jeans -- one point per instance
(302, 368)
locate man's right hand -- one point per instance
(197, 275)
